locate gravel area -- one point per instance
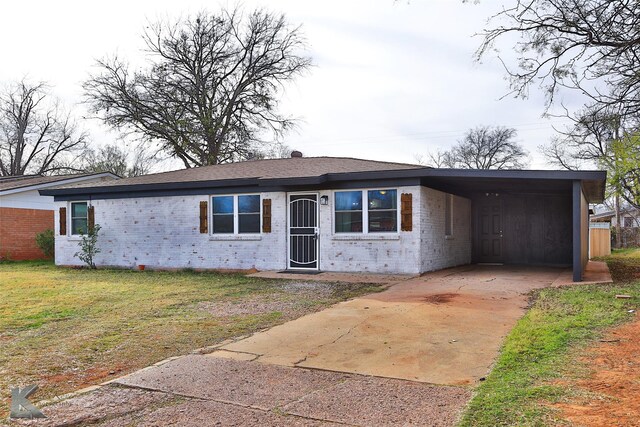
(256, 305)
(198, 413)
(117, 406)
(368, 401)
(104, 403)
(226, 380)
(204, 390)
(293, 299)
(322, 289)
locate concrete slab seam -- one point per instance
(227, 402)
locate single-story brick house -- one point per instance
(25, 213)
(332, 214)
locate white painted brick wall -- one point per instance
(163, 232)
(438, 251)
(376, 252)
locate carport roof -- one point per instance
(522, 181)
(325, 172)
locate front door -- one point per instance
(489, 229)
(303, 231)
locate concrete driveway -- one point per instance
(442, 328)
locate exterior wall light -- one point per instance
(324, 200)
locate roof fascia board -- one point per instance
(521, 174)
(337, 177)
(150, 187)
(164, 193)
(473, 173)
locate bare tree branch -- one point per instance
(592, 46)
(209, 94)
(484, 147)
(586, 141)
(36, 135)
(601, 139)
(124, 163)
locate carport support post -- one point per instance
(577, 247)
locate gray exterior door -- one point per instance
(526, 228)
(489, 230)
(303, 231)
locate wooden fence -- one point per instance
(599, 242)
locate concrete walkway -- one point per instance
(328, 276)
(594, 272)
(442, 328)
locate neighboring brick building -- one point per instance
(331, 214)
(25, 213)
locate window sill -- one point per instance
(393, 236)
(235, 237)
(73, 238)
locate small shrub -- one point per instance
(89, 247)
(46, 241)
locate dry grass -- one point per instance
(66, 329)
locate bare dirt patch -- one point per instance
(613, 388)
(440, 298)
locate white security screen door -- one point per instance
(303, 231)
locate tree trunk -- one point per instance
(618, 226)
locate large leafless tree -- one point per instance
(484, 147)
(36, 135)
(210, 91)
(589, 45)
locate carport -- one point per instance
(519, 217)
(530, 217)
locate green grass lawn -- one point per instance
(64, 329)
(544, 345)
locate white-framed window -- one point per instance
(79, 218)
(235, 214)
(628, 222)
(448, 215)
(366, 211)
(348, 212)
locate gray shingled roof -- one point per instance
(14, 182)
(301, 167)
(306, 171)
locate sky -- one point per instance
(392, 80)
